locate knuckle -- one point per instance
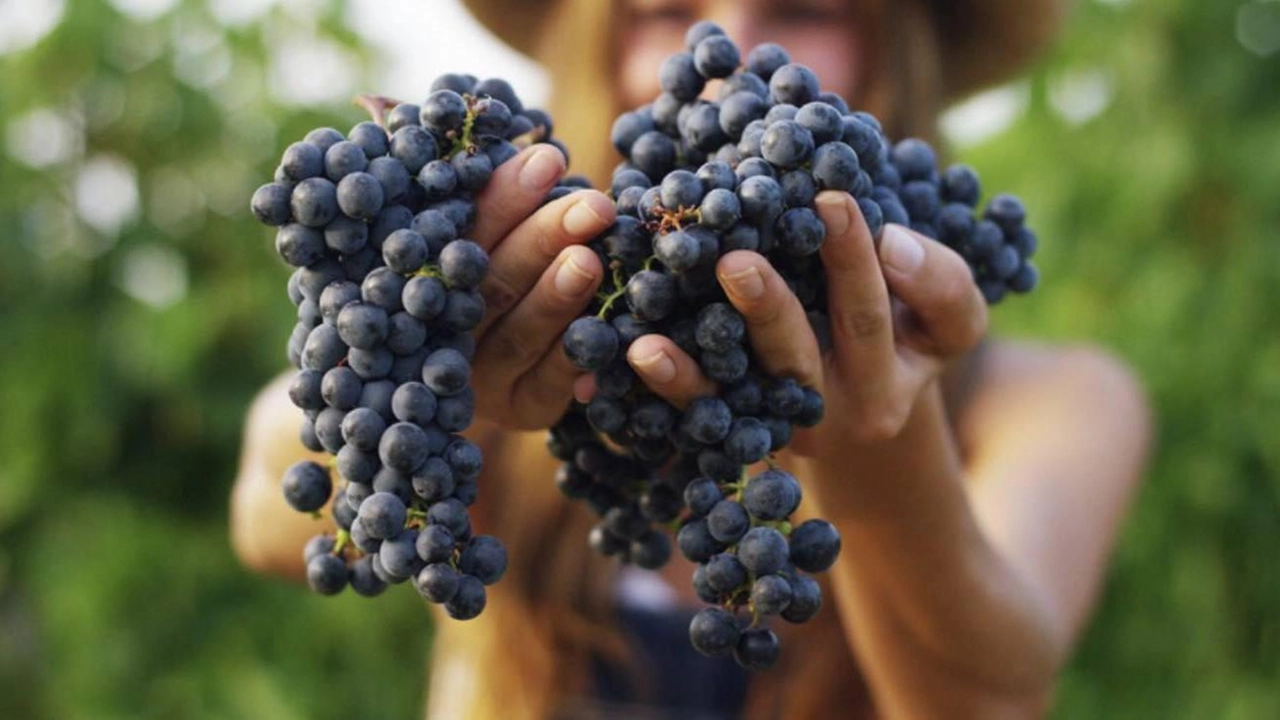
(860, 323)
(513, 347)
(547, 227)
(765, 310)
(546, 388)
(499, 295)
(880, 426)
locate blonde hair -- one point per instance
(531, 650)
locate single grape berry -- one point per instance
(327, 574)
(270, 204)
(714, 632)
(438, 583)
(446, 372)
(590, 343)
(382, 515)
(306, 486)
(763, 551)
(815, 545)
(463, 264)
(806, 600)
(728, 521)
(484, 558)
(716, 57)
(757, 649)
(469, 600)
(771, 594)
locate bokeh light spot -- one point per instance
(106, 194)
(1080, 96)
(1258, 27)
(24, 22)
(985, 115)
(154, 274)
(42, 137)
(144, 9)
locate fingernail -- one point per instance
(746, 284)
(571, 279)
(838, 214)
(582, 220)
(540, 170)
(900, 250)
(657, 367)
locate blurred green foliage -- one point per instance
(135, 342)
(119, 595)
(1162, 241)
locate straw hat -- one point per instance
(983, 41)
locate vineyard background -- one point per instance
(141, 308)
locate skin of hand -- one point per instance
(884, 468)
(540, 279)
(900, 309)
(960, 586)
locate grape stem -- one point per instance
(377, 106)
(340, 544)
(429, 270)
(464, 142)
(619, 289)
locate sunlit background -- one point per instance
(141, 307)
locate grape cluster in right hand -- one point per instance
(701, 179)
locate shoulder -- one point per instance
(1011, 363)
(266, 533)
(1023, 389)
(271, 415)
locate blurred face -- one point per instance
(816, 33)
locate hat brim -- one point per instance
(987, 41)
(983, 41)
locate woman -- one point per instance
(977, 484)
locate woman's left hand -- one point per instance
(900, 309)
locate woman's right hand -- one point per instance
(541, 278)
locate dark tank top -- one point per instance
(669, 679)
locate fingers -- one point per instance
(776, 323)
(546, 389)
(857, 301)
(516, 189)
(947, 311)
(517, 343)
(521, 258)
(668, 370)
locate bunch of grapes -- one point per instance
(386, 291)
(700, 179)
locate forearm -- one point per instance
(939, 621)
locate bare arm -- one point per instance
(266, 534)
(960, 587)
(963, 589)
(1051, 480)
